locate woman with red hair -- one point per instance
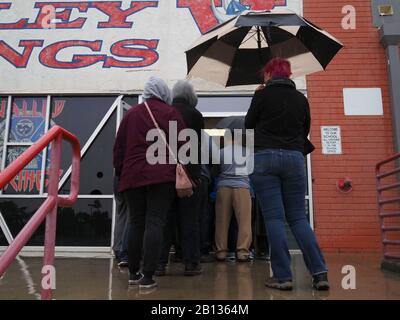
(280, 117)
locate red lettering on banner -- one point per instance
(201, 12)
(48, 56)
(34, 109)
(36, 112)
(16, 25)
(113, 9)
(15, 109)
(24, 107)
(263, 4)
(29, 180)
(16, 59)
(64, 15)
(38, 179)
(13, 184)
(20, 180)
(123, 48)
(24, 111)
(58, 108)
(117, 16)
(204, 17)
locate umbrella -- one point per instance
(235, 52)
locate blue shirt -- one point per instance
(233, 167)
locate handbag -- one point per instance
(308, 147)
(183, 183)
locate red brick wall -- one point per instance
(348, 222)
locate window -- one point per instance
(224, 106)
(80, 116)
(97, 172)
(28, 180)
(28, 119)
(87, 223)
(27, 125)
(93, 119)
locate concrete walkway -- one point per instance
(102, 279)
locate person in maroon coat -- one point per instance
(149, 189)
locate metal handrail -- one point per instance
(48, 209)
(380, 187)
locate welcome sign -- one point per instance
(106, 46)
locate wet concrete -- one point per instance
(102, 279)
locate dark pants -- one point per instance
(184, 213)
(121, 229)
(280, 183)
(205, 218)
(148, 208)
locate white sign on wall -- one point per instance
(331, 140)
(99, 46)
(363, 101)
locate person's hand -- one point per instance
(260, 87)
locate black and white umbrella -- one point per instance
(235, 52)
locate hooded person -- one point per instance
(147, 177)
(186, 211)
(185, 101)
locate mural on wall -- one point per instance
(27, 125)
(45, 46)
(210, 13)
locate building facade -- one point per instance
(82, 64)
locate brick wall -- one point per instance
(348, 222)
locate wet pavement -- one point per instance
(102, 279)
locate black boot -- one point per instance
(193, 270)
(320, 281)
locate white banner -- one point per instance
(106, 46)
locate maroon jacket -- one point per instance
(130, 146)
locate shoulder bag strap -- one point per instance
(160, 131)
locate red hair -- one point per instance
(278, 67)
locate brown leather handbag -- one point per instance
(183, 184)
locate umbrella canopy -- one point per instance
(235, 52)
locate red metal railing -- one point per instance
(48, 209)
(382, 201)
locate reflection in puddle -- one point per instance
(28, 278)
(103, 279)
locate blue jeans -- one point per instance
(121, 230)
(279, 182)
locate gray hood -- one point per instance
(157, 88)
